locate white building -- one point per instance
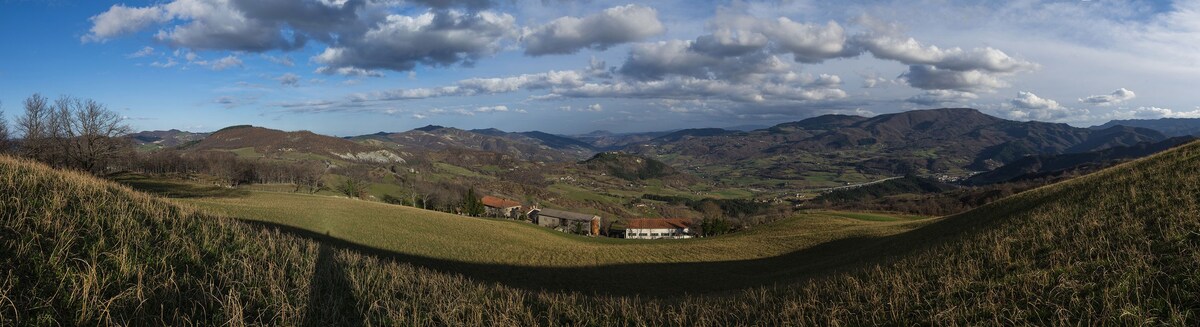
(646, 228)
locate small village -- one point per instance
(587, 224)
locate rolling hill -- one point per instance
(1115, 247)
(1044, 165)
(527, 146)
(265, 141)
(165, 139)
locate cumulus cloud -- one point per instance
(119, 20)
(165, 64)
(932, 78)
(1157, 112)
(282, 60)
(348, 71)
(475, 86)
(487, 109)
(289, 79)
(225, 63)
(942, 97)
(144, 52)
(360, 35)
(1029, 106)
(440, 38)
(1118, 96)
(610, 27)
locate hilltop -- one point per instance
(628, 167)
(265, 141)
(165, 139)
(528, 146)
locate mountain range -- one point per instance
(825, 148)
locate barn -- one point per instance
(566, 221)
(500, 207)
(658, 228)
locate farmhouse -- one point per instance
(500, 207)
(645, 228)
(566, 221)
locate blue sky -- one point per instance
(348, 67)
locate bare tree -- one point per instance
(4, 142)
(74, 133)
(93, 135)
(35, 128)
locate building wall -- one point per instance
(656, 233)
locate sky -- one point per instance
(351, 67)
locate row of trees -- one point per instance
(232, 171)
(68, 133)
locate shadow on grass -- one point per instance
(676, 279)
(177, 189)
(330, 298)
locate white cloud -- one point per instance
(120, 20)
(487, 109)
(610, 27)
(1029, 106)
(226, 63)
(165, 64)
(289, 79)
(440, 38)
(1028, 100)
(595, 107)
(144, 52)
(932, 78)
(1118, 96)
(1156, 112)
(282, 60)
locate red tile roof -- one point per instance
(496, 202)
(660, 223)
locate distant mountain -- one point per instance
(692, 132)
(607, 141)
(1043, 165)
(529, 146)
(1170, 126)
(271, 142)
(165, 139)
(746, 128)
(935, 140)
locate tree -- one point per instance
(35, 127)
(4, 142)
(93, 135)
(355, 183)
(309, 176)
(72, 133)
(352, 187)
(471, 204)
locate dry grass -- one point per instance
(1119, 247)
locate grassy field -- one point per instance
(446, 236)
(1118, 247)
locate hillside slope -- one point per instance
(528, 146)
(1118, 247)
(277, 142)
